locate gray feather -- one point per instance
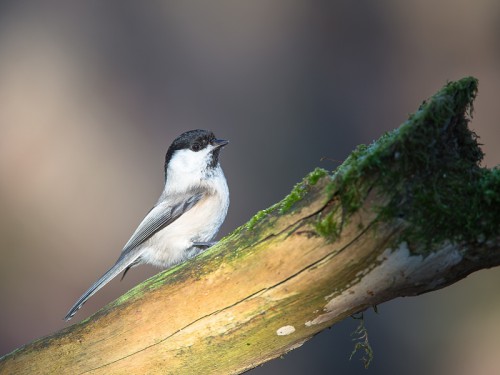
(158, 218)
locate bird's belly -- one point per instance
(173, 244)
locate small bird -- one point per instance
(187, 216)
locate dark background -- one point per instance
(92, 93)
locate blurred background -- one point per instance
(92, 93)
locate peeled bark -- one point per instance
(411, 213)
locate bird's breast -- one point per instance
(201, 223)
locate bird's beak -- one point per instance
(217, 143)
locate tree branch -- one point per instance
(410, 213)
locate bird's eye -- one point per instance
(196, 147)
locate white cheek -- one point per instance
(187, 168)
(188, 161)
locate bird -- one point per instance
(187, 216)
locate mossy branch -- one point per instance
(408, 214)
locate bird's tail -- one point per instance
(120, 265)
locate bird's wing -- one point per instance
(158, 218)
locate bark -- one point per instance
(383, 225)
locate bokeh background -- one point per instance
(92, 93)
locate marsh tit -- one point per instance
(187, 216)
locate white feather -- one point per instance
(188, 171)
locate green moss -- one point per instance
(328, 226)
(296, 195)
(259, 216)
(300, 190)
(429, 169)
(314, 176)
